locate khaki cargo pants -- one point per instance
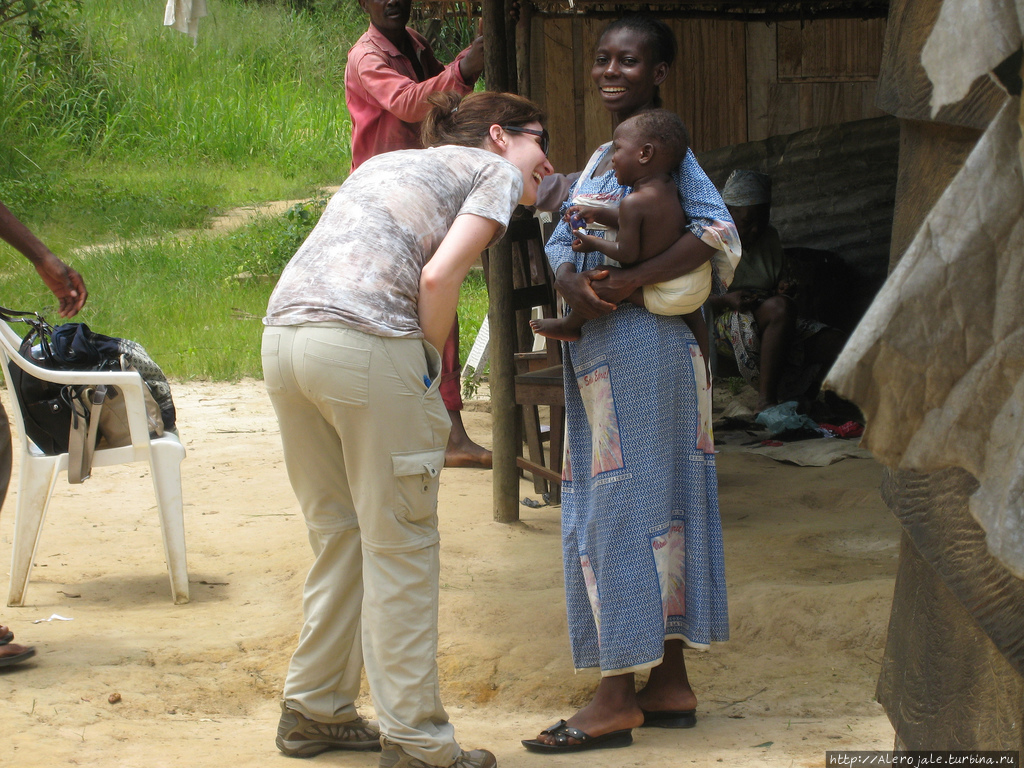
(364, 431)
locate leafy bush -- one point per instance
(449, 36)
(114, 127)
(263, 248)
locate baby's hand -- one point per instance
(577, 216)
(585, 243)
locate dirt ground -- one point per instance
(811, 554)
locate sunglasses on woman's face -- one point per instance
(545, 140)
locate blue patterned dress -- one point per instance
(641, 533)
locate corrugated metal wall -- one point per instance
(833, 188)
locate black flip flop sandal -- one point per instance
(7, 661)
(561, 732)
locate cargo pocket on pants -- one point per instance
(416, 483)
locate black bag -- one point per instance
(49, 410)
(73, 346)
(55, 413)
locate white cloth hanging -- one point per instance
(184, 15)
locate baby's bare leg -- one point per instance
(700, 330)
(637, 297)
(562, 328)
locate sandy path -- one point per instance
(226, 222)
(810, 559)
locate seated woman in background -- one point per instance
(756, 321)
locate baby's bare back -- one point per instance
(663, 220)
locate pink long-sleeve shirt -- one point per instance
(385, 100)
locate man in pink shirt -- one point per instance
(391, 71)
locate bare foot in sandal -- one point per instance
(11, 654)
(613, 710)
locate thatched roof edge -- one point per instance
(740, 10)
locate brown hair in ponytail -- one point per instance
(466, 120)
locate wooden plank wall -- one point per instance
(706, 86)
(803, 76)
(732, 82)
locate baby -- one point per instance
(646, 149)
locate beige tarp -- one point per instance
(969, 39)
(937, 364)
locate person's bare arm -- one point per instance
(630, 223)
(442, 276)
(685, 255)
(576, 288)
(608, 217)
(65, 283)
(584, 243)
(471, 60)
(629, 218)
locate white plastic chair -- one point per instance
(38, 474)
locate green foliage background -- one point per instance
(116, 125)
(116, 129)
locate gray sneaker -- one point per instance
(394, 756)
(298, 736)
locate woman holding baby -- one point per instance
(641, 533)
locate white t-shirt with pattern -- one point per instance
(361, 264)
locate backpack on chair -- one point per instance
(62, 418)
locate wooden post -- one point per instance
(523, 63)
(496, 74)
(501, 317)
(505, 474)
(512, 83)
